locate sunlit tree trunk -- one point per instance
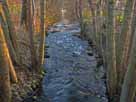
(11, 50)
(8, 40)
(5, 92)
(42, 34)
(12, 32)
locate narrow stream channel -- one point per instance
(71, 66)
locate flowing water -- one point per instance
(71, 66)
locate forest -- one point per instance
(67, 50)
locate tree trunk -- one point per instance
(129, 85)
(8, 40)
(12, 32)
(127, 44)
(24, 15)
(31, 37)
(42, 34)
(5, 92)
(6, 34)
(122, 39)
(80, 7)
(111, 52)
(93, 12)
